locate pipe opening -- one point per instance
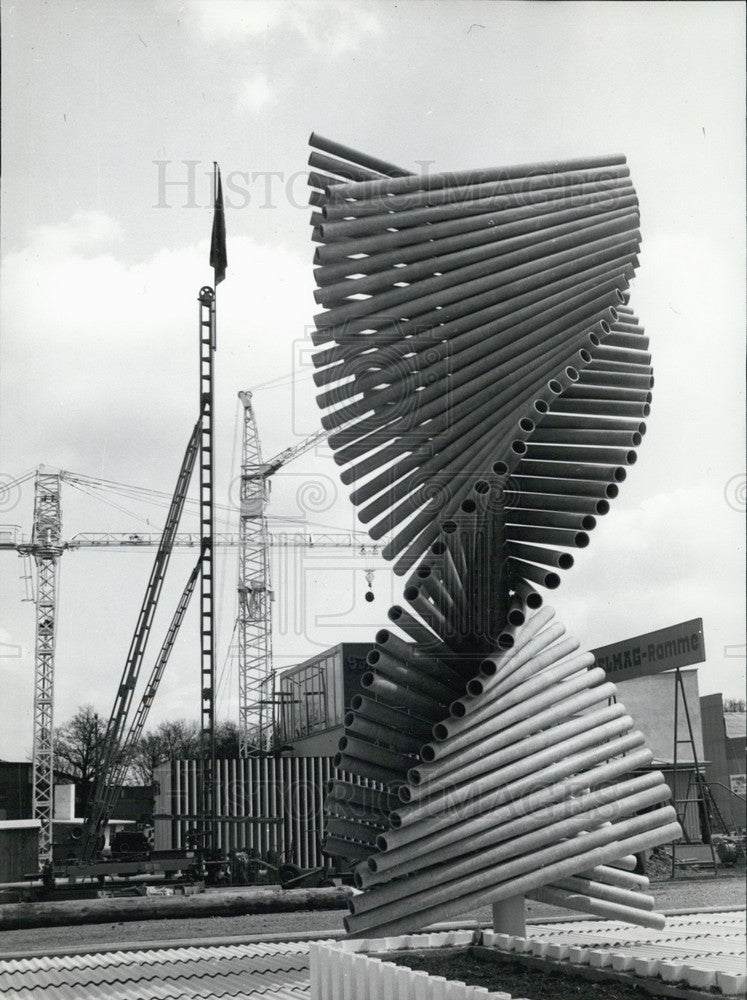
(357, 880)
(395, 613)
(372, 863)
(457, 710)
(585, 356)
(505, 640)
(337, 760)
(620, 474)
(631, 457)
(581, 539)
(482, 487)
(588, 522)
(356, 702)
(642, 428)
(381, 844)
(646, 409)
(541, 406)
(440, 732)
(519, 447)
(474, 687)
(423, 572)
(500, 468)
(411, 593)
(449, 527)
(428, 753)
(614, 315)
(438, 548)
(637, 438)
(367, 679)
(468, 506)
(595, 341)
(555, 387)
(373, 657)
(516, 617)
(565, 560)
(526, 425)
(349, 720)
(534, 601)
(572, 373)
(611, 490)
(552, 581)
(620, 297)
(383, 636)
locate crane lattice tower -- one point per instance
(254, 590)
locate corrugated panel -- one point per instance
(246, 971)
(292, 789)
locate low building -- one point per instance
(19, 848)
(650, 701)
(725, 738)
(15, 789)
(314, 696)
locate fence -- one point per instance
(264, 804)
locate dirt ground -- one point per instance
(696, 893)
(518, 980)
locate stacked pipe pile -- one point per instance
(486, 382)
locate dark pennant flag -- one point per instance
(218, 256)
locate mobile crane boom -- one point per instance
(99, 804)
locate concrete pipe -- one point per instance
(440, 844)
(399, 696)
(414, 243)
(514, 876)
(390, 718)
(601, 908)
(520, 837)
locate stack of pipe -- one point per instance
(464, 314)
(536, 782)
(486, 382)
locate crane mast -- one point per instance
(254, 618)
(254, 621)
(46, 549)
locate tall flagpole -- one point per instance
(207, 336)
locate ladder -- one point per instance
(207, 562)
(697, 784)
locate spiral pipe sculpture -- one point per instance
(486, 383)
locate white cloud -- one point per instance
(333, 27)
(256, 93)
(84, 233)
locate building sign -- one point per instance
(667, 648)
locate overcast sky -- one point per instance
(112, 115)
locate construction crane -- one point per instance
(46, 546)
(254, 617)
(112, 758)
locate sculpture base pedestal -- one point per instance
(509, 916)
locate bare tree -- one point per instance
(734, 705)
(180, 739)
(79, 751)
